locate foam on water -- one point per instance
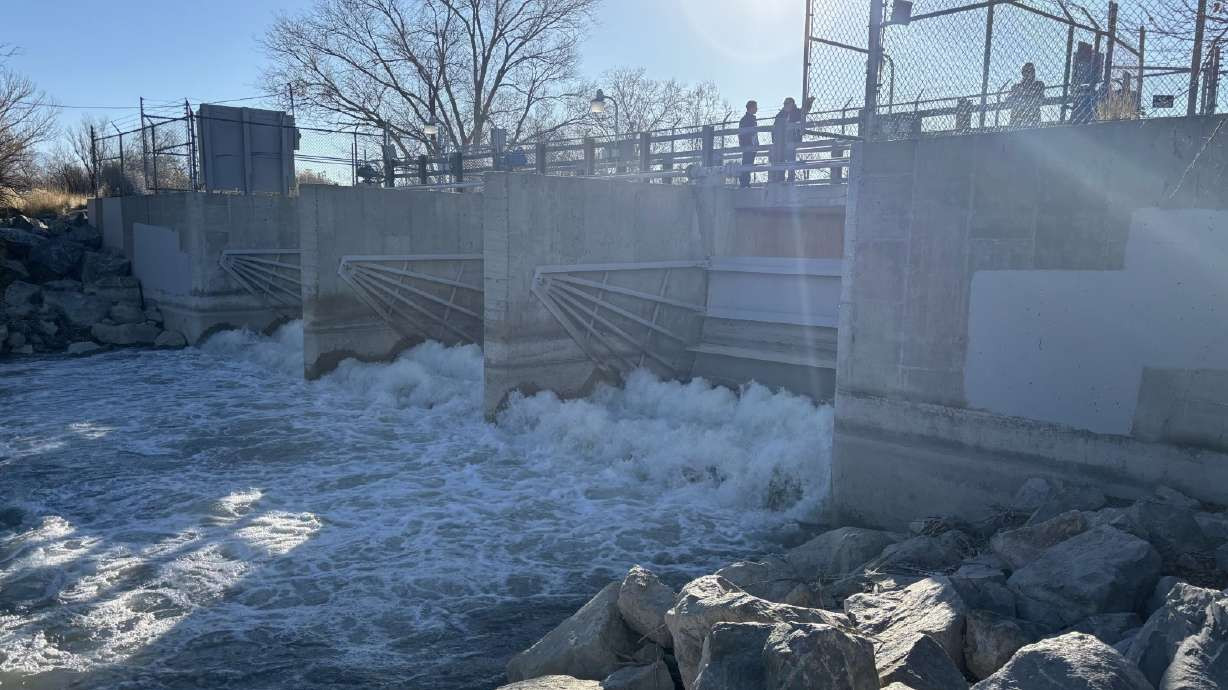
(205, 517)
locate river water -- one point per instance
(205, 518)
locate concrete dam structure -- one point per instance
(990, 307)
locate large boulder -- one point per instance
(87, 235)
(56, 258)
(907, 561)
(774, 579)
(931, 606)
(984, 588)
(712, 599)
(990, 640)
(1021, 546)
(17, 243)
(10, 271)
(125, 333)
(642, 601)
(97, 265)
(125, 312)
(1170, 527)
(116, 289)
(654, 676)
(591, 644)
(807, 656)
(24, 222)
(170, 340)
(732, 657)
(83, 348)
(1044, 499)
(555, 682)
(918, 661)
(838, 552)
(22, 299)
(1073, 661)
(1109, 628)
(1214, 526)
(1201, 661)
(1103, 570)
(78, 309)
(1183, 614)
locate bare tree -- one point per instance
(25, 121)
(467, 65)
(646, 104)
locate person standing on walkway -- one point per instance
(1025, 98)
(748, 140)
(786, 133)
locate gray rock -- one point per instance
(981, 570)
(986, 590)
(711, 599)
(153, 314)
(1183, 614)
(23, 350)
(16, 340)
(125, 334)
(1169, 527)
(591, 644)
(1214, 526)
(642, 601)
(1159, 595)
(78, 309)
(1021, 546)
(1073, 661)
(87, 235)
(1045, 498)
(116, 289)
(732, 657)
(554, 682)
(124, 312)
(1201, 660)
(56, 258)
(990, 640)
(10, 271)
(22, 298)
(24, 222)
(838, 552)
(84, 347)
(652, 677)
(1109, 628)
(774, 579)
(17, 243)
(931, 606)
(897, 686)
(1165, 494)
(1103, 570)
(905, 562)
(97, 265)
(807, 656)
(919, 661)
(48, 328)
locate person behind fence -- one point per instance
(748, 138)
(786, 134)
(1025, 98)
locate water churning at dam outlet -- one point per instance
(205, 517)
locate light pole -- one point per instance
(597, 107)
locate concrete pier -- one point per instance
(1040, 302)
(385, 239)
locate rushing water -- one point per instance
(205, 518)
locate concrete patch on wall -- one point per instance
(1071, 347)
(159, 262)
(1183, 406)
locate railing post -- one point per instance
(590, 156)
(874, 52)
(94, 160)
(539, 157)
(708, 139)
(423, 178)
(837, 171)
(390, 164)
(668, 165)
(457, 163)
(645, 152)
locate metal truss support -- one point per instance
(433, 296)
(274, 275)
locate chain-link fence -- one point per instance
(955, 66)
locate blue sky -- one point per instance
(92, 53)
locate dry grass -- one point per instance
(49, 201)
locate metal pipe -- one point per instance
(873, 58)
(1200, 23)
(985, 57)
(1066, 72)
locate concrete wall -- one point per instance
(175, 241)
(1014, 306)
(533, 221)
(340, 221)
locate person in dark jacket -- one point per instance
(748, 137)
(786, 134)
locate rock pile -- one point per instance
(61, 291)
(1065, 589)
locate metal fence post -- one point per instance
(153, 140)
(708, 139)
(1200, 23)
(645, 151)
(457, 163)
(539, 157)
(423, 178)
(94, 159)
(1108, 50)
(985, 58)
(1138, 81)
(590, 156)
(874, 51)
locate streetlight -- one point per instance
(597, 106)
(430, 129)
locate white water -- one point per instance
(206, 518)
